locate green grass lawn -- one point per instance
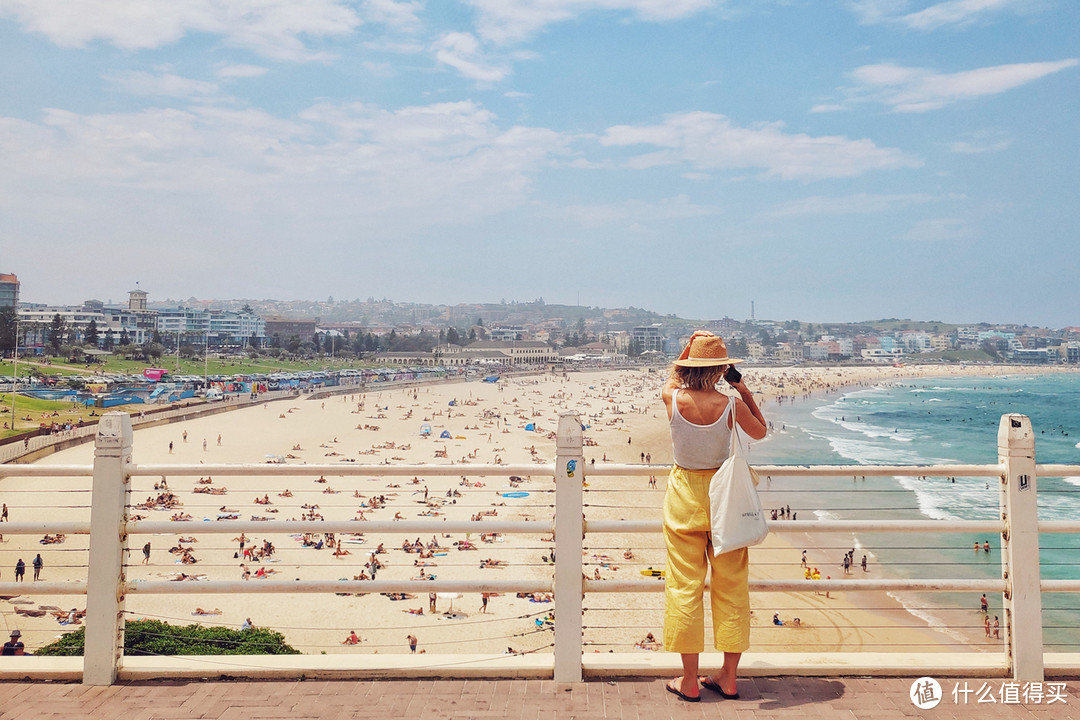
(35, 409)
(213, 366)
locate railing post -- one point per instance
(1020, 548)
(569, 537)
(104, 603)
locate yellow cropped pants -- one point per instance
(689, 555)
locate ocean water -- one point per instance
(933, 421)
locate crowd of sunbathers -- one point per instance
(206, 490)
(418, 546)
(69, 617)
(164, 501)
(258, 553)
(186, 557)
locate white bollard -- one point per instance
(1020, 548)
(569, 542)
(104, 604)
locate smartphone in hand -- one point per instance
(732, 375)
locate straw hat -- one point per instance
(705, 351)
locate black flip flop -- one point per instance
(715, 687)
(684, 698)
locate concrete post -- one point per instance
(104, 603)
(569, 537)
(1020, 548)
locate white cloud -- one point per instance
(462, 52)
(401, 48)
(858, 204)
(707, 141)
(827, 108)
(636, 213)
(378, 69)
(910, 89)
(163, 84)
(401, 14)
(939, 230)
(335, 168)
(273, 28)
(871, 12)
(952, 12)
(241, 71)
(505, 21)
(981, 141)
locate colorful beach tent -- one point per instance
(425, 430)
(530, 427)
(446, 435)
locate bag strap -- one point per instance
(734, 429)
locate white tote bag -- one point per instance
(738, 520)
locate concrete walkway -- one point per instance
(762, 697)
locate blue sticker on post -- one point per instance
(571, 466)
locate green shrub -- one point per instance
(153, 637)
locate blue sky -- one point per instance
(830, 160)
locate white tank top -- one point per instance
(699, 447)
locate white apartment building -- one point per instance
(216, 328)
(506, 333)
(914, 341)
(788, 352)
(649, 337)
(816, 351)
(882, 354)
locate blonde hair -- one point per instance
(698, 378)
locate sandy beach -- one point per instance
(486, 424)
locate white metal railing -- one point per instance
(109, 527)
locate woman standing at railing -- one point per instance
(701, 421)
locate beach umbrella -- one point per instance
(451, 596)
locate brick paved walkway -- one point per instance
(762, 697)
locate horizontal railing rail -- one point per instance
(14, 589)
(165, 587)
(343, 526)
(953, 526)
(899, 584)
(337, 469)
(608, 469)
